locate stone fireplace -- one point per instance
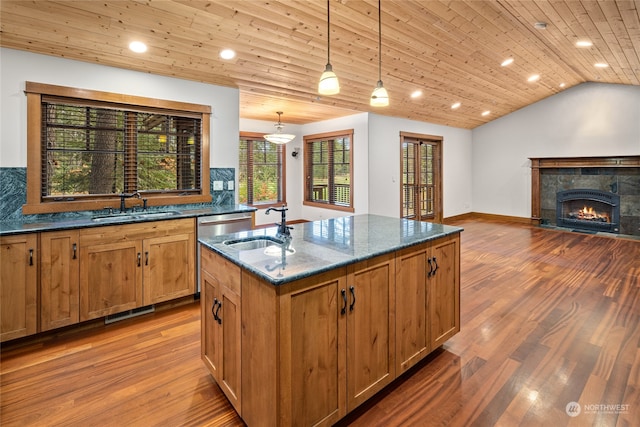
(595, 194)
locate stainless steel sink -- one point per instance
(250, 243)
(134, 215)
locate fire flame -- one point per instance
(590, 214)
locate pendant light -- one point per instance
(379, 97)
(278, 137)
(328, 84)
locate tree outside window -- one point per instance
(261, 176)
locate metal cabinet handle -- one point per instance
(344, 298)
(75, 249)
(139, 259)
(431, 271)
(146, 258)
(353, 298)
(213, 308)
(217, 316)
(435, 269)
(30, 256)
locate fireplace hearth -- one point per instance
(588, 210)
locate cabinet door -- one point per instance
(313, 353)
(229, 323)
(111, 278)
(59, 279)
(169, 268)
(444, 291)
(18, 286)
(370, 328)
(210, 346)
(412, 343)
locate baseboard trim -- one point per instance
(489, 217)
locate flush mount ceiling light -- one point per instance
(379, 97)
(278, 137)
(227, 54)
(533, 78)
(486, 113)
(583, 43)
(416, 94)
(328, 84)
(455, 105)
(540, 25)
(601, 65)
(507, 61)
(138, 47)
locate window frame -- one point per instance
(283, 172)
(36, 204)
(308, 164)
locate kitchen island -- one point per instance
(302, 332)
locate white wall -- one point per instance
(17, 67)
(384, 164)
(591, 119)
(295, 166)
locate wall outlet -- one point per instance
(217, 185)
(230, 185)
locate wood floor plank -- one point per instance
(548, 318)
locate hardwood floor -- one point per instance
(548, 318)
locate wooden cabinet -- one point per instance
(18, 286)
(370, 328)
(221, 323)
(128, 266)
(59, 279)
(427, 298)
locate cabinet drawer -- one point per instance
(221, 269)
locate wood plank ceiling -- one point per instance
(450, 50)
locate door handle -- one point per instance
(353, 298)
(75, 249)
(139, 259)
(431, 271)
(146, 258)
(217, 316)
(435, 269)
(30, 256)
(344, 299)
(213, 308)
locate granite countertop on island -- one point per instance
(323, 245)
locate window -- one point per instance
(86, 148)
(328, 160)
(421, 177)
(261, 176)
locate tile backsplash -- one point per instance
(13, 185)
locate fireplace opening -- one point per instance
(588, 210)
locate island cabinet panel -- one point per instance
(313, 350)
(427, 298)
(221, 324)
(370, 328)
(444, 291)
(59, 279)
(412, 341)
(18, 286)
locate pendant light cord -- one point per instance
(379, 42)
(328, 35)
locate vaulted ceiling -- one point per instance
(450, 50)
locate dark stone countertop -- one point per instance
(320, 246)
(73, 220)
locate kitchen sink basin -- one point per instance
(250, 243)
(134, 215)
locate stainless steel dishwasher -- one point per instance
(215, 225)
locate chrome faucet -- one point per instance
(283, 229)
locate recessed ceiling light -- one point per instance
(138, 47)
(562, 84)
(601, 65)
(507, 62)
(455, 105)
(584, 43)
(534, 78)
(486, 113)
(416, 94)
(540, 25)
(227, 54)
